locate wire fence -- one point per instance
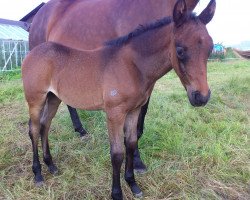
(12, 53)
(225, 59)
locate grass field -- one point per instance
(191, 153)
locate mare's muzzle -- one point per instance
(197, 99)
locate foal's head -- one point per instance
(193, 46)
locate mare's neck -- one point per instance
(152, 54)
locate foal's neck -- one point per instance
(153, 54)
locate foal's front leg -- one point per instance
(139, 166)
(115, 121)
(131, 144)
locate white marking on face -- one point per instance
(113, 93)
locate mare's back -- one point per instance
(88, 24)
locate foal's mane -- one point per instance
(123, 40)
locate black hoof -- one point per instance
(136, 191)
(139, 167)
(140, 171)
(53, 170)
(39, 181)
(139, 195)
(82, 131)
(117, 195)
(85, 137)
(39, 184)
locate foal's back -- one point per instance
(67, 73)
(87, 80)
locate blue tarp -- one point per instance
(218, 48)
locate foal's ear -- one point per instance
(180, 12)
(208, 13)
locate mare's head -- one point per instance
(192, 48)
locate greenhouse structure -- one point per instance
(13, 44)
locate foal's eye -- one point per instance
(181, 54)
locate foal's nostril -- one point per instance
(196, 95)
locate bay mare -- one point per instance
(87, 24)
(118, 79)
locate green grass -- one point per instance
(191, 153)
(13, 75)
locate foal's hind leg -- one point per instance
(131, 144)
(139, 166)
(49, 112)
(76, 121)
(34, 133)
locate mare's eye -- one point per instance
(181, 54)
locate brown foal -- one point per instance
(117, 78)
(88, 24)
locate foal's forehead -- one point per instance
(195, 26)
(194, 31)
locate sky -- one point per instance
(230, 25)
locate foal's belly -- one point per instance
(89, 101)
(79, 89)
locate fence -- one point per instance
(224, 59)
(12, 53)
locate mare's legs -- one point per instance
(115, 122)
(131, 144)
(49, 112)
(139, 166)
(76, 121)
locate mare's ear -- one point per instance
(180, 12)
(191, 4)
(208, 13)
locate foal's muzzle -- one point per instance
(197, 99)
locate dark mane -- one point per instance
(123, 40)
(138, 31)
